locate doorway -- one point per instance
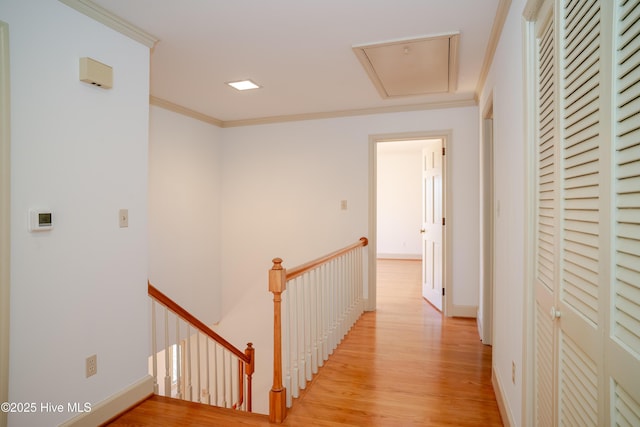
(397, 210)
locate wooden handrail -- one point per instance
(189, 318)
(301, 269)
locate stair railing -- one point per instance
(323, 299)
(200, 365)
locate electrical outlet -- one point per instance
(92, 365)
(513, 372)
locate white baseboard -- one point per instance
(507, 421)
(114, 405)
(464, 311)
(416, 257)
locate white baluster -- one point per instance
(154, 351)
(325, 311)
(207, 374)
(216, 376)
(307, 326)
(229, 380)
(301, 341)
(341, 299)
(179, 360)
(167, 355)
(319, 328)
(313, 324)
(286, 347)
(233, 379)
(224, 380)
(198, 378)
(292, 289)
(189, 387)
(333, 304)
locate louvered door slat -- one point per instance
(578, 388)
(628, 201)
(627, 409)
(629, 231)
(544, 367)
(578, 13)
(629, 110)
(629, 154)
(628, 30)
(583, 238)
(628, 139)
(584, 84)
(627, 126)
(627, 70)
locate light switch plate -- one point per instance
(124, 218)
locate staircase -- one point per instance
(164, 411)
(198, 364)
(199, 374)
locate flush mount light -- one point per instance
(243, 85)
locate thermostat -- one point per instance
(40, 220)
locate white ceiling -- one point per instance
(299, 51)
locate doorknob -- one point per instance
(422, 231)
(555, 314)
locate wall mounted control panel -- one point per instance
(40, 220)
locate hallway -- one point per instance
(403, 365)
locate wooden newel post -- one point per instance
(250, 353)
(277, 395)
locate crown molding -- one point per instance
(100, 14)
(494, 38)
(176, 108)
(469, 101)
(466, 102)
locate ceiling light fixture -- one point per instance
(243, 85)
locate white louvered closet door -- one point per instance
(546, 235)
(587, 287)
(583, 246)
(623, 337)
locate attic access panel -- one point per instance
(408, 67)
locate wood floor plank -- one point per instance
(403, 365)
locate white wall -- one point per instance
(79, 289)
(282, 186)
(505, 81)
(184, 211)
(399, 201)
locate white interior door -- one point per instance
(432, 227)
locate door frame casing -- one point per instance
(5, 215)
(487, 223)
(446, 136)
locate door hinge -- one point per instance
(443, 221)
(442, 291)
(443, 151)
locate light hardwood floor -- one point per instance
(403, 365)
